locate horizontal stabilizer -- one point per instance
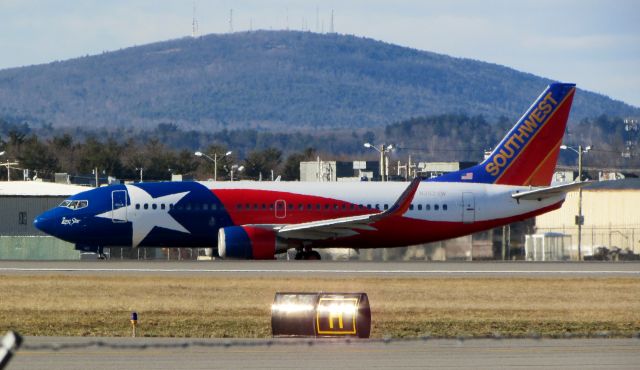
(548, 192)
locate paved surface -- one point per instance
(306, 268)
(165, 353)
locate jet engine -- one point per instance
(247, 242)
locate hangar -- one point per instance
(20, 203)
(611, 218)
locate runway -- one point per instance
(164, 353)
(325, 268)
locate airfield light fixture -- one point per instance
(214, 160)
(384, 173)
(236, 168)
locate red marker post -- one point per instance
(134, 323)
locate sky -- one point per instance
(594, 43)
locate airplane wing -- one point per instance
(548, 192)
(348, 226)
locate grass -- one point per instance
(240, 307)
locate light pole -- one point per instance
(382, 150)
(140, 169)
(214, 160)
(579, 219)
(237, 168)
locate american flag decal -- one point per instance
(467, 176)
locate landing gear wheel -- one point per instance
(308, 255)
(313, 255)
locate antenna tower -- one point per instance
(331, 30)
(194, 22)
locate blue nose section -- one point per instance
(45, 224)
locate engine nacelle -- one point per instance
(247, 242)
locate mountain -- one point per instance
(272, 80)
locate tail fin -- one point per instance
(528, 154)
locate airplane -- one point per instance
(258, 220)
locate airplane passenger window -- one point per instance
(377, 206)
(256, 206)
(318, 206)
(146, 206)
(154, 206)
(205, 207)
(326, 206)
(419, 207)
(353, 206)
(188, 207)
(138, 206)
(335, 206)
(170, 205)
(301, 207)
(239, 206)
(444, 207)
(386, 206)
(290, 206)
(436, 207)
(428, 207)
(214, 206)
(162, 206)
(369, 206)
(264, 206)
(344, 206)
(411, 207)
(309, 207)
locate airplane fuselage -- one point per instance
(189, 214)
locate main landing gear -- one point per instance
(307, 254)
(101, 255)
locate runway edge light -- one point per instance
(134, 323)
(321, 315)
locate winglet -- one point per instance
(404, 201)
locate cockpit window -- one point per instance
(74, 204)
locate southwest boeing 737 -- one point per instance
(257, 220)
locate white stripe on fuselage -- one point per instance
(491, 201)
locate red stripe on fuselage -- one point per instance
(246, 206)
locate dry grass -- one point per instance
(240, 307)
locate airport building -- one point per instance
(611, 220)
(20, 203)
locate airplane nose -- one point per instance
(44, 224)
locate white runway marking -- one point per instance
(328, 271)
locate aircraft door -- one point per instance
(468, 208)
(281, 208)
(119, 200)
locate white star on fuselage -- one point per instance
(144, 220)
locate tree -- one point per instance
(262, 162)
